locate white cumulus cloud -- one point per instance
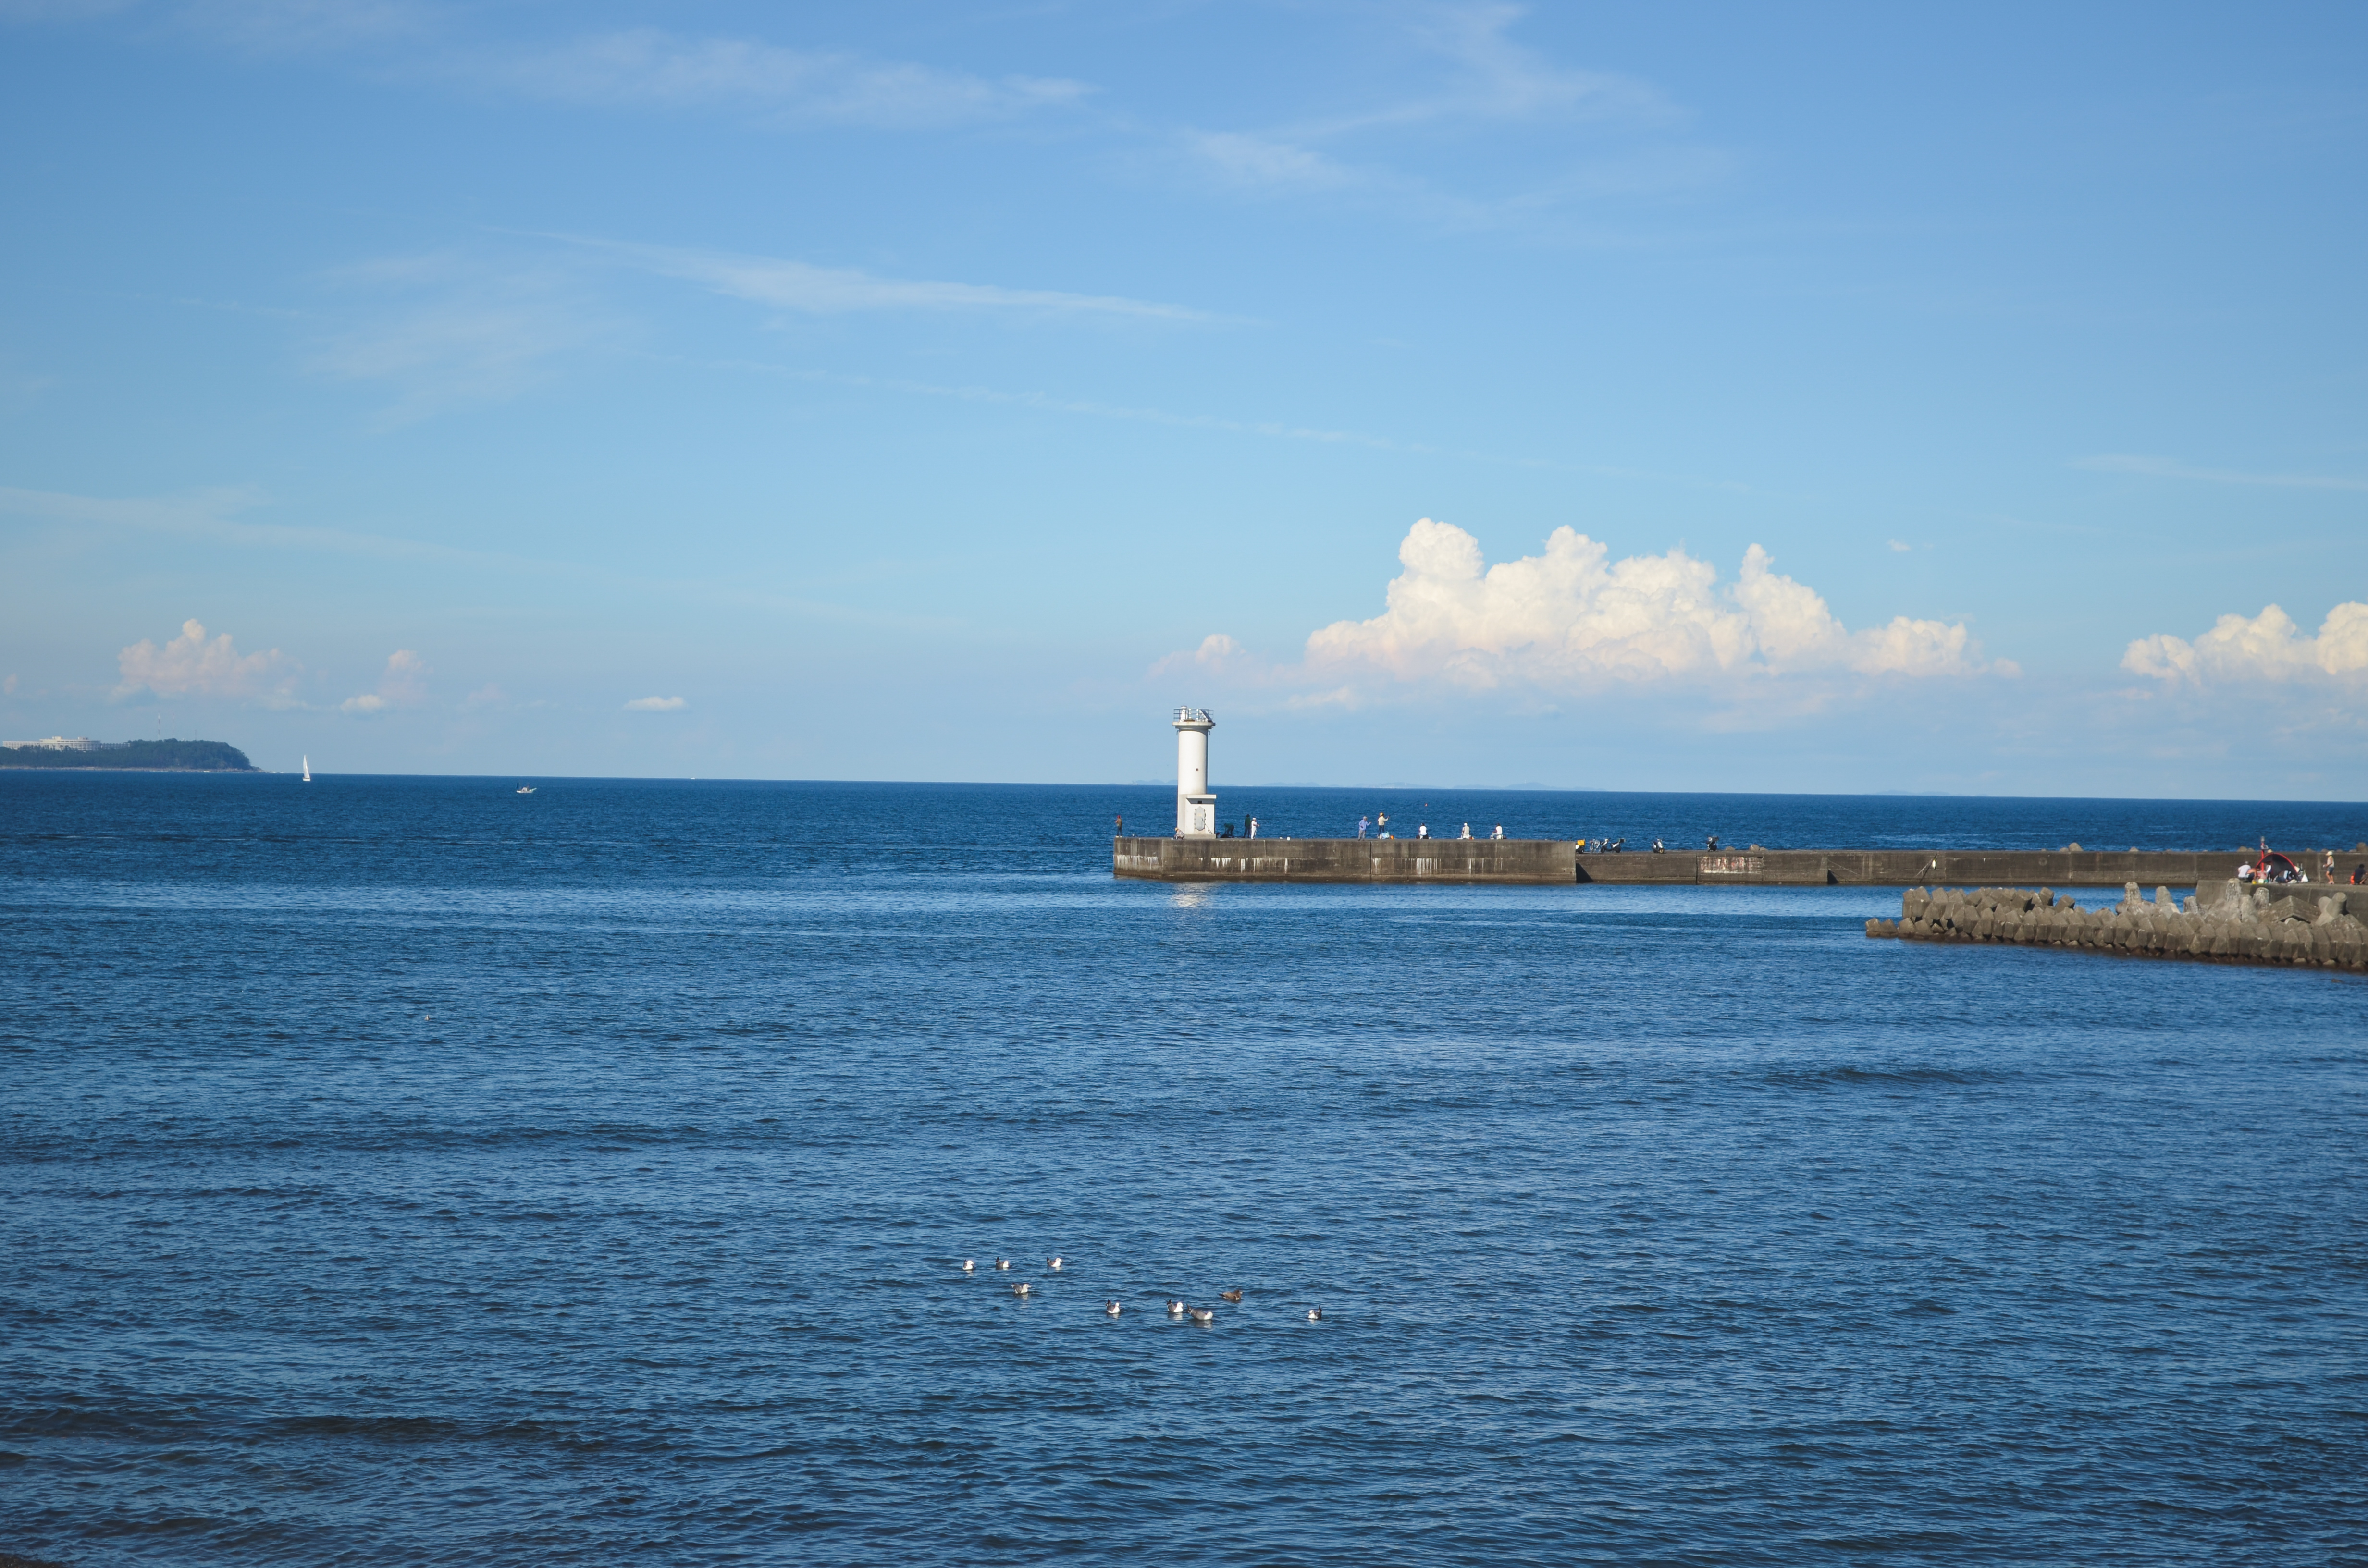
(405, 685)
(1571, 616)
(2266, 647)
(656, 705)
(190, 665)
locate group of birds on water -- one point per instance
(1111, 1307)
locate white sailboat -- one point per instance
(308, 767)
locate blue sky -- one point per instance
(1712, 397)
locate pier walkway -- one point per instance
(1557, 862)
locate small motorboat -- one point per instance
(525, 788)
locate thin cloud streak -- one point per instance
(2168, 468)
(833, 291)
(298, 28)
(1499, 79)
(646, 67)
(207, 514)
(463, 332)
(1492, 83)
(202, 516)
(626, 68)
(1265, 429)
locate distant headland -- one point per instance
(80, 751)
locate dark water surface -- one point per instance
(408, 1171)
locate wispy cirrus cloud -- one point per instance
(252, 26)
(36, 12)
(656, 705)
(302, 26)
(1270, 163)
(622, 68)
(213, 516)
(1483, 80)
(444, 330)
(836, 290)
(645, 67)
(1494, 77)
(2169, 468)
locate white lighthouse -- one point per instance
(1196, 808)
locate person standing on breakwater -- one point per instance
(1499, 832)
(1361, 825)
(2330, 866)
(1118, 827)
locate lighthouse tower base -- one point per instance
(1196, 816)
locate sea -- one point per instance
(408, 1170)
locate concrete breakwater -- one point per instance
(1558, 861)
(1529, 860)
(2305, 924)
(1910, 868)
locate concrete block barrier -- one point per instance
(2303, 925)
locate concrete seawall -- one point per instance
(1915, 867)
(2303, 925)
(1527, 860)
(1544, 861)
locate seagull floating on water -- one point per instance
(1111, 1307)
(1176, 1308)
(969, 1264)
(1203, 1314)
(1230, 1295)
(1052, 1263)
(1316, 1314)
(1002, 1263)
(1023, 1288)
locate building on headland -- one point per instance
(66, 743)
(1196, 808)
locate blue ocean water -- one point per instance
(405, 1170)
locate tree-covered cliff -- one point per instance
(204, 756)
